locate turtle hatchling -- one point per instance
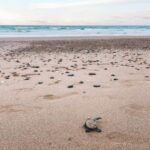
(91, 125)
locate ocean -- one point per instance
(65, 31)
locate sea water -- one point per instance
(65, 31)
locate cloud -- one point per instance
(11, 17)
(71, 3)
(45, 13)
(8, 16)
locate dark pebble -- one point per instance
(69, 139)
(96, 86)
(60, 60)
(35, 67)
(81, 82)
(115, 79)
(67, 72)
(35, 70)
(70, 86)
(113, 75)
(83, 68)
(15, 74)
(27, 78)
(17, 61)
(7, 77)
(40, 82)
(70, 75)
(92, 74)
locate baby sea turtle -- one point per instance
(91, 125)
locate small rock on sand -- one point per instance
(70, 86)
(113, 75)
(92, 74)
(70, 75)
(115, 79)
(146, 76)
(96, 86)
(17, 61)
(35, 67)
(27, 78)
(15, 74)
(60, 60)
(40, 82)
(7, 77)
(81, 82)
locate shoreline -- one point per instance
(71, 38)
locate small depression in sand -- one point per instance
(55, 82)
(136, 110)
(55, 97)
(119, 137)
(17, 108)
(10, 109)
(131, 83)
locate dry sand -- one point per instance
(39, 112)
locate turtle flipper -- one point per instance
(98, 130)
(93, 130)
(97, 118)
(88, 130)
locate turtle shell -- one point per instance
(91, 124)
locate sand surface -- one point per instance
(39, 112)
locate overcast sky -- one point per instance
(75, 12)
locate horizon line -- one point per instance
(71, 25)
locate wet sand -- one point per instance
(49, 87)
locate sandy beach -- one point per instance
(50, 86)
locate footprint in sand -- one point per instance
(23, 90)
(136, 110)
(54, 97)
(119, 137)
(10, 108)
(131, 83)
(128, 83)
(17, 108)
